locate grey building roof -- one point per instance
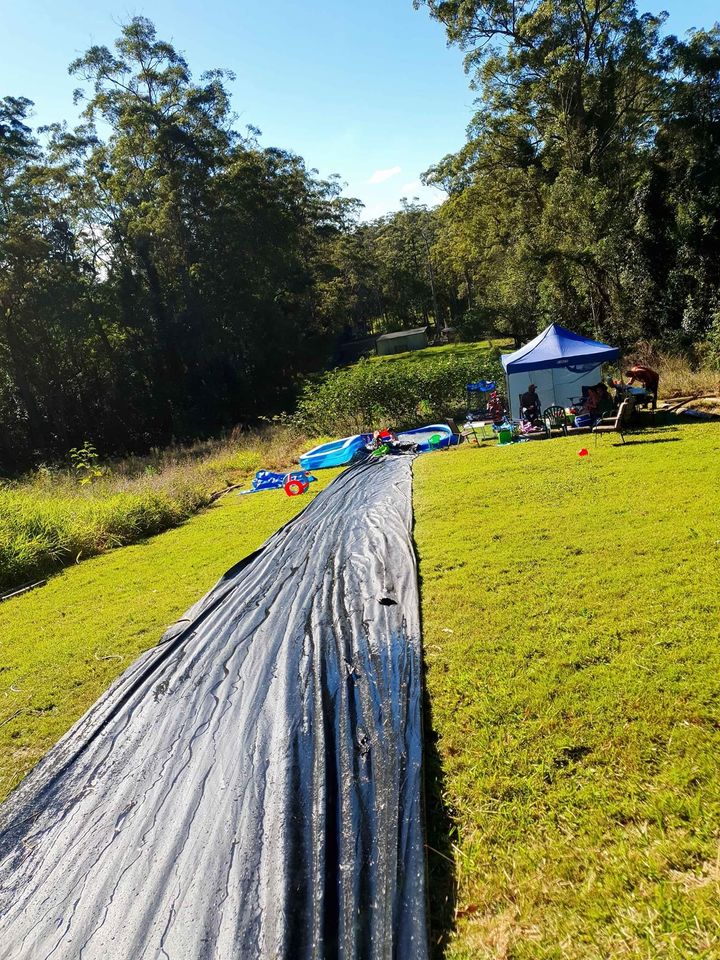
(403, 333)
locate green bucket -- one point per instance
(505, 436)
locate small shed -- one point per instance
(559, 362)
(401, 341)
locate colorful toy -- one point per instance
(293, 483)
(381, 451)
(295, 487)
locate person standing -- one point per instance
(648, 377)
(495, 408)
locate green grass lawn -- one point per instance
(571, 627)
(55, 516)
(571, 633)
(62, 645)
(477, 348)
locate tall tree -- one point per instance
(570, 96)
(163, 275)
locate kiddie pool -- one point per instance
(421, 436)
(334, 454)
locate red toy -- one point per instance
(295, 487)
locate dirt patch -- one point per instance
(495, 935)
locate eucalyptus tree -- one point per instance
(161, 274)
(167, 137)
(41, 285)
(214, 240)
(21, 246)
(681, 207)
(570, 95)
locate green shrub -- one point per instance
(401, 394)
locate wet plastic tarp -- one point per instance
(251, 787)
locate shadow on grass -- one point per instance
(439, 832)
(668, 418)
(639, 440)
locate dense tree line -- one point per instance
(160, 274)
(163, 275)
(589, 189)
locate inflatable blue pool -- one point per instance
(421, 436)
(337, 453)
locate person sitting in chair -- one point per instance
(604, 400)
(591, 407)
(530, 404)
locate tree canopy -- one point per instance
(587, 190)
(161, 274)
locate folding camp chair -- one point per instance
(615, 424)
(470, 432)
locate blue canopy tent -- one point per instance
(559, 362)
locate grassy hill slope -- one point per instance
(571, 631)
(571, 627)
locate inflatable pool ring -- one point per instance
(293, 488)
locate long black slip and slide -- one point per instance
(250, 788)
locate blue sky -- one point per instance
(365, 89)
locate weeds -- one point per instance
(48, 519)
(681, 375)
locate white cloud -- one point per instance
(380, 176)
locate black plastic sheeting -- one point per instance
(251, 787)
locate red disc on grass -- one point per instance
(295, 487)
(583, 452)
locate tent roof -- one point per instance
(558, 347)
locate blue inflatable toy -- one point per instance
(292, 483)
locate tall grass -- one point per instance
(681, 375)
(39, 535)
(48, 519)
(679, 378)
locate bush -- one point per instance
(400, 394)
(476, 323)
(710, 348)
